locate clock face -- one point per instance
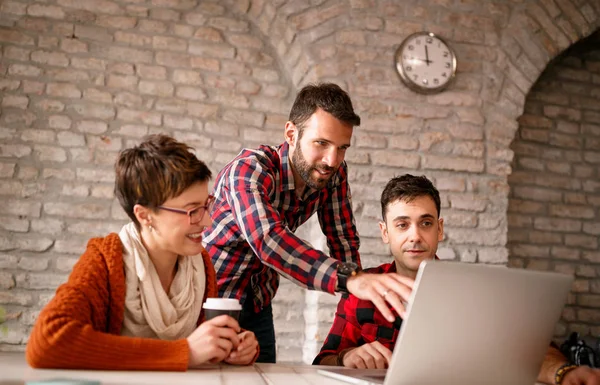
(425, 62)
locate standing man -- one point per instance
(264, 195)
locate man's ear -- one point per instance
(441, 229)
(384, 232)
(143, 215)
(291, 133)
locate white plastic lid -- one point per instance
(222, 304)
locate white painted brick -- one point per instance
(50, 105)
(47, 41)
(99, 111)
(14, 224)
(11, 188)
(183, 30)
(75, 189)
(169, 43)
(156, 88)
(14, 151)
(16, 334)
(8, 134)
(57, 59)
(70, 246)
(251, 118)
(77, 210)
(62, 174)
(98, 96)
(24, 70)
(187, 77)
(15, 101)
(92, 127)
(7, 281)
(13, 7)
(105, 143)
(81, 155)
(151, 72)
(216, 51)
(117, 212)
(21, 207)
(191, 93)
(65, 264)
(70, 139)
(134, 130)
(16, 298)
(33, 263)
(128, 99)
(40, 280)
(178, 122)
(152, 26)
(37, 135)
(59, 122)
(33, 243)
(8, 261)
(145, 117)
(202, 110)
(195, 140)
(7, 170)
(105, 158)
(71, 45)
(47, 226)
(52, 154)
(94, 228)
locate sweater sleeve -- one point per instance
(73, 331)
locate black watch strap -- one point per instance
(345, 270)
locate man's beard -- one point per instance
(305, 171)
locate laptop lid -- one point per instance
(471, 323)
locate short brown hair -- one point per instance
(327, 96)
(156, 170)
(407, 188)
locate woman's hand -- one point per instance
(213, 340)
(246, 350)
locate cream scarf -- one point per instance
(149, 311)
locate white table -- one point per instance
(14, 370)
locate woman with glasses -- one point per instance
(134, 299)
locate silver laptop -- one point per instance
(471, 324)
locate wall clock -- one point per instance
(425, 62)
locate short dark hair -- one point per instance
(327, 96)
(407, 188)
(156, 170)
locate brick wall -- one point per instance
(554, 207)
(83, 79)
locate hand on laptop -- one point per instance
(369, 356)
(382, 289)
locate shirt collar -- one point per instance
(391, 267)
(287, 176)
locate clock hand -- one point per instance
(427, 56)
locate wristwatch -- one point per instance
(345, 270)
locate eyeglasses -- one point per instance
(195, 214)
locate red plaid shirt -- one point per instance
(255, 215)
(358, 322)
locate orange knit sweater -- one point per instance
(80, 328)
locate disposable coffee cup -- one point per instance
(214, 307)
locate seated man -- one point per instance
(361, 337)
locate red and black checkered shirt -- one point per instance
(251, 240)
(358, 322)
